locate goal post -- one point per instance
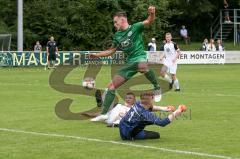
(5, 42)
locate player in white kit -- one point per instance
(116, 114)
(171, 53)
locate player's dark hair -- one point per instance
(168, 33)
(142, 95)
(130, 93)
(120, 14)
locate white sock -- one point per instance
(167, 78)
(176, 84)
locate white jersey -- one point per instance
(183, 32)
(170, 53)
(152, 46)
(117, 113)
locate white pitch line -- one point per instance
(117, 143)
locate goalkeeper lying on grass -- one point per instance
(133, 123)
(120, 110)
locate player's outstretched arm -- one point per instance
(164, 108)
(105, 53)
(181, 108)
(151, 17)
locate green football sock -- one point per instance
(150, 75)
(109, 98)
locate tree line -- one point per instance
(88, 24)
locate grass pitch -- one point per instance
(30, 128)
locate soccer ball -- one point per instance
(88, 83)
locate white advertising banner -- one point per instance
(199, 57)
(232, 57)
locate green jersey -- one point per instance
(131, 43)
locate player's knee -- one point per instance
(143, 68)
(143, 71)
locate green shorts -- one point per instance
(128, 70)
(131, 67)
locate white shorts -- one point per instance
(172, 69)
(116, 114)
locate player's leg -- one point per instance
(173, 71)
(164, 73)
(176, 82)
(113, 115)
(117, 81)
(136, 134)
(144, 134)
(54, 57)
(124, 132)
(49, 60)
(53, 63)
(150, 75)
(49, 64)
(116, 114)
(122, 76)
(98, 97)
(186, 39)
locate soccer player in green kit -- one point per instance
(128, 39)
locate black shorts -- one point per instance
(52, 57)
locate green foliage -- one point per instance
(78, 25)
(87, 25)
